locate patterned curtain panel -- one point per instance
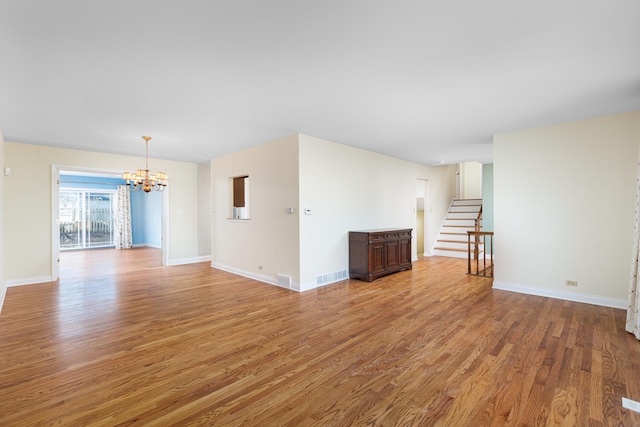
(633, 313)
(123, 237)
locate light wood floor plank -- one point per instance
(121, 340)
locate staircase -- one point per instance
(452, 240)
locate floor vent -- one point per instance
(336, 276)
(284, 281)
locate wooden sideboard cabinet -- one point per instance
(375, 253)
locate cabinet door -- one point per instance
(405, 252)
(376, 257)
(392, 250)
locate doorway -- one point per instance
(422, 210)
(82, 218)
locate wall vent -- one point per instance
(336, 276)
(284, 281)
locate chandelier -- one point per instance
(143, 180)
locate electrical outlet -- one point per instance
(571, 283)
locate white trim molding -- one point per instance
(310, 286)
(29, 281)
(296, 287)
(250, 275)
(145, 245)
(567, 296)
(191, 260)
(3, 293)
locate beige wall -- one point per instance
(564, 205)
(419, 233)
(3, 283)
(344, 187)
(267, 243)
(352, 189)
(471, 180)
(204, 210)
(28, 205)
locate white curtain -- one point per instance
(123, 235)
(633, 313)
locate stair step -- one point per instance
(464, 208)
(450, 249)
(459, 224)
(467, 202)
(459, 241)
(459, 238)
(451, 254)
(462, 215)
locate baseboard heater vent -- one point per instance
(284, 281)
(336, 276)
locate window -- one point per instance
(239, 197)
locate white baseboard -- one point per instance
(313, 285)
(191, 260)
(306, 287)
(567, 296)
(3, 293)
(266, 279)
(28, 281)
(145, 245)
(252, 275)
(21, 282)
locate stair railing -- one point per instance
(477, 225)
(486, 270)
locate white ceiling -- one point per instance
(428, 81)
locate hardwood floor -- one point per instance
(85, 264)
(191, 345)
